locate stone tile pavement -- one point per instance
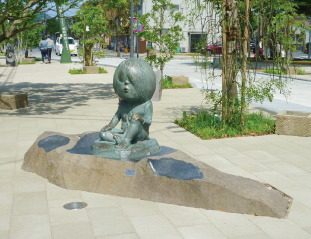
(31, 207)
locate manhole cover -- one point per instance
(75, 205)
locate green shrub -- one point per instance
(167, 83)
(301, 72)
(208, 126)
(275, 71)
(102, 70)
(76, 71)
(38, 59)
(26, 63)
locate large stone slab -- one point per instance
(169, 176)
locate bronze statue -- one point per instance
(134, 82)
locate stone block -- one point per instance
(91, 69)
(29, 60)
(180, 80)
(169, 176)
(295, 123)
(11, 100)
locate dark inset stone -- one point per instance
(63, 91)
(165, 150)
(83, 146)
(53, 142)
(173, 168)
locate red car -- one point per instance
(216, 48)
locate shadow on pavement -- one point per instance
(57, 98)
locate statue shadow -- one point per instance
(57, 98)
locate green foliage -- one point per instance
(20, 15)
(93, 15)
(280, 23)
(164, 33)
(102, 70)
(2, 54)
(52, 26)
(301, 72)
(275, 71)
(80, 71)
(167, 83)
(38, 59)
(208, 126)
(76, 71)
(26, 63)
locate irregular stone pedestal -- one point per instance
(11, 100)
(169, 176)
(293, 123)
(91, 69)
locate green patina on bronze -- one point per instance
(134, 82)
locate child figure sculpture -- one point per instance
(134, 82)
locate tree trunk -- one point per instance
(88, 56)
(244, 62)
(230, 71)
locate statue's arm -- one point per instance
(148, 113)
(114, 121)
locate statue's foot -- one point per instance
(124, 144)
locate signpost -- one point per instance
(137, 28)
(132, 37)
(66, 55)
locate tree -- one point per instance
(303, 7)
(91, 24)
(162, 29)
(119, 13)
(18, 15)
(278, 23)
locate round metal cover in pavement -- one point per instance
(75, 205)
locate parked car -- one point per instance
(217, 48)
(214, 49)
(72, 46)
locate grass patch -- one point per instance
(26, 63)
(38, 59)
(102, 70)
(80, 71)
(167, 83)
(301, 72)
(275, 71)
(2, 54)
(209, 126)
(76, 71)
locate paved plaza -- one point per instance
(32, 208)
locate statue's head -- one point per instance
(134, 80)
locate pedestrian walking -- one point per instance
(260, 47)
(43, 47)
(50, 47)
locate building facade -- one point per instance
(197, 27)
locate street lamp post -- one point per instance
(132, 37)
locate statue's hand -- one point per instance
(106, 128)
(137, 117)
